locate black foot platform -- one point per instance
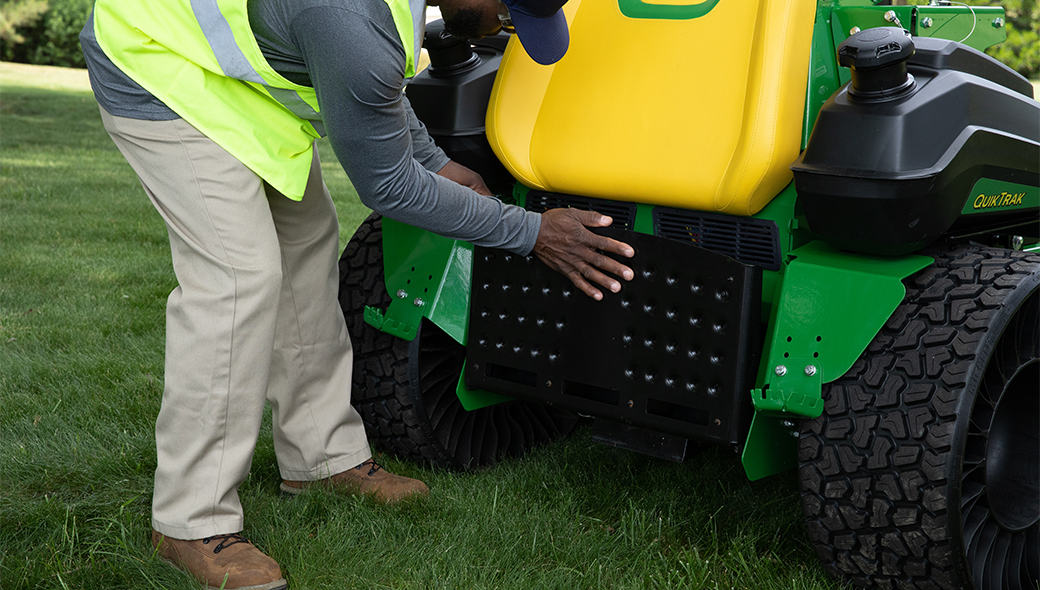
(675, 351)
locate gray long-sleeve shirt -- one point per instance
(350, 53)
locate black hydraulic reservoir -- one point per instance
(451, 97)
(897, 156)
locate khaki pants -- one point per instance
(255, 317)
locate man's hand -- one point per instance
(464, 176)
(563, 242)
(567, 247)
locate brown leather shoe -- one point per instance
(223, 561)
(367, 479)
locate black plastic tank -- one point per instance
(894, 155)
(451, 98)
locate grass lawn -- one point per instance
(84, 275)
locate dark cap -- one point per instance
(541, 27)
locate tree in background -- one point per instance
(19, 13)
(1021, 51)
(51, 40)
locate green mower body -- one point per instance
(849, 328)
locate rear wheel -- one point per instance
(924, 469)
(405, 391)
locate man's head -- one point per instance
(540, 24)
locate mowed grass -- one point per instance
(84, 275)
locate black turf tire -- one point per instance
(903, 483)
(405, 391)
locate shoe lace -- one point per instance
(374, 467)
(224, 541)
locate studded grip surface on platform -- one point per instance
(674, 351)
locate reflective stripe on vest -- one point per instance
(201, 59)
(235, 65)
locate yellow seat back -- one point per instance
(700, 113)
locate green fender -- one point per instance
(829, 306)
(428, 276)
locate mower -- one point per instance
(835, 209)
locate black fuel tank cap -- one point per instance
(878, 58)
(875, 48)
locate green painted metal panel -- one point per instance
(449, 309)
(978, 26)
(771, 446)
(399, 322)
(781, 211)
(414, 263)
(475, 399)
(644, 221)
(520, 194)
(990, 195)
(823, 70)
(849, 18)
(426, 276)
(829, 307)
(641, 9)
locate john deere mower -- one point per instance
(836, 216)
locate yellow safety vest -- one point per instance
(200, 58)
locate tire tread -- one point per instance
(876, 467)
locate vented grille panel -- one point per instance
(745, 239)
(623, 214)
